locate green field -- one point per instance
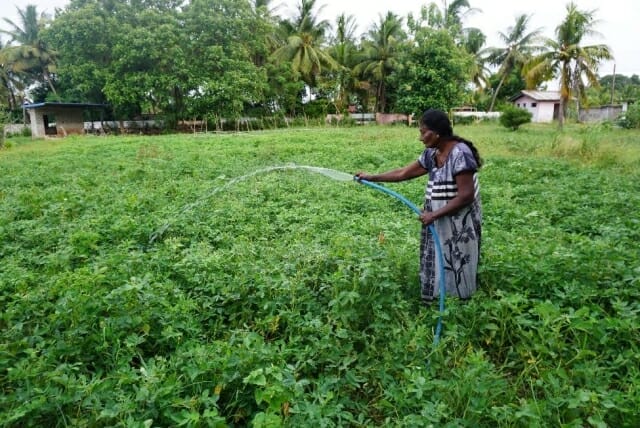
(140, 285)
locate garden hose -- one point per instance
(432, 229)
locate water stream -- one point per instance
(327, 172)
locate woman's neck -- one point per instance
(445, 145)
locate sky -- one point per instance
(618, 19)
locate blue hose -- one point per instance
(432, 229)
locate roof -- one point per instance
(63, 105)
(538, 95)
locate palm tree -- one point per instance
(30, 55)
(344, 51)
(266, 14)
(9, 81)
(304, 43)
(567, 59)
(449, 17)
(380, 54)
(474, 40)
(518, 49)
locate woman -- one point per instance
(452, 204)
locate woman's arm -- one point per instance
(413, 170)
(465, 196)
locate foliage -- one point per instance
(631, 118)
(519, 45)
(434, 74)
(342, 81)
(568, 59)
(27, 51)
(305, 36)
(82, 73)
(513, 117)
(224, 59)
(380, 57)
(614, 90)
(287, 298)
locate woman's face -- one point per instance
(428, 137)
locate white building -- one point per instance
(543, 105)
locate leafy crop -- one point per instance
(289, 299)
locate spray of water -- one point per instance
(330, 173)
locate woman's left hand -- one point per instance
(427, 217)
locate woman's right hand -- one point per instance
(362, 176)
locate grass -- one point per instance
(291, 299)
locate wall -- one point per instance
(545, 111)
(67, 121)
(598, 114)
(37, 125)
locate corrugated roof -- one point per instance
(84, 105)
(538, 95)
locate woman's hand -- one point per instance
(363, 176)
(427, 217)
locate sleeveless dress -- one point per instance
(459, 233)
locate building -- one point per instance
(544, 106)
(58, 119)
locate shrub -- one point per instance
(631, 118)
(513, 117)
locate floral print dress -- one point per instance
(459, 233)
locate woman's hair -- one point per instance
(438, 121)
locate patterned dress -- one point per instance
(459, 233)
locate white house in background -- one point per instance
(543, 105)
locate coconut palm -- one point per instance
(344, 51)
(449, 17)
(519, 46)
(380, 54)
(304, 45)
(474, 40)
(266, 14)
(567, 59)
(28, 52)
(10, 83)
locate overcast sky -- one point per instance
(619, 19)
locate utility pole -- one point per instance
(613, 83)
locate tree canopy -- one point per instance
(208, 59)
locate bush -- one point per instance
(513, 117)
(631, 118)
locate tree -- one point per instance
(516, 52)
(434, 75)
(380, 55)
(222, 40)
(567, 59)
(84, 35)
(10, 83)
(265, 14)
(304, 44)
(149, 65)
(474, 39)
(449, 18)
(344, 51)
(30, 55)
(619, 88)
